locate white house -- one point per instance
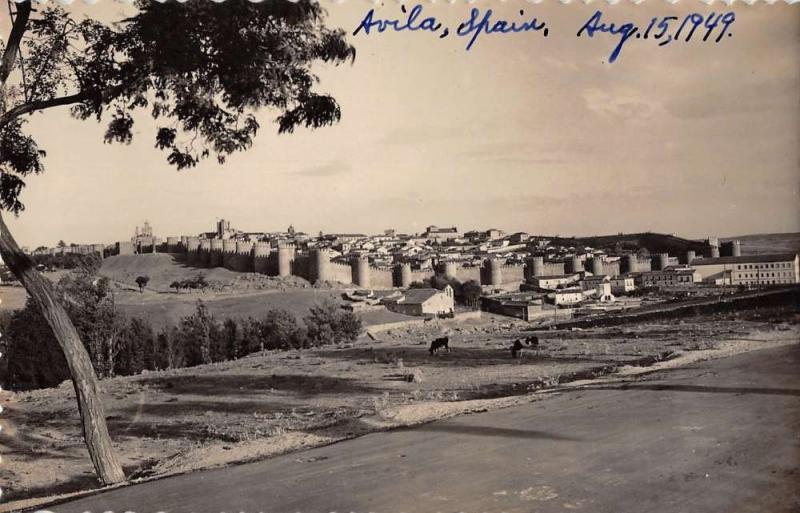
(568, 296)
(424, 302)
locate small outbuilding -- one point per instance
(421, 302)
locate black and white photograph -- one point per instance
(499, 256)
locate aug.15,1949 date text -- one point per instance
(662, 29)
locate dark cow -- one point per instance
(439, 344)
(530, 343)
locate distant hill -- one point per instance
(654, 242)
(763, 243)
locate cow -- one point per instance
(530, 343)
(439, 344)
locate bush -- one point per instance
(138, 349)
(197, 282)
(32, 355)
(198, 334)
(279, 329)
(328, 324)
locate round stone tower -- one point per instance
(690, 255)
(244, 256)
(360, 270)
(216, 253)
(737, 248)
(576, 265)
(192, 250)
(285, 259)
(714, 251)
(228, 253)
(495, 272)
(172, 244)
(261, 253)
(320, 265)
(537, 266)
(204, 253)
(404, 275)
(660, 261)
(631, 263)
(597, 266)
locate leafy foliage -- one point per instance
(329, 324)
(118, 346)
(467, 293)
(142, 282)
(200, 69)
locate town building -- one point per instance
(669, 277)
(441, 234)
(526, 306)
(422, 302)
(552, 282)
(622, 284)
(749, 270)
(566, 296)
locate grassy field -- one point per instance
(167, 309)
(179, 420)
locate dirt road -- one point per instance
(723, 435)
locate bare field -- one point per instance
(180, 420)
(12, 298)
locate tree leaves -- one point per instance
(202, 68)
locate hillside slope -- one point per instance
(162, 268)
(764, 243)
(654, 242)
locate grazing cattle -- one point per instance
(516, 349)
(439, 344)
(518, 346)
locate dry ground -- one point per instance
(180, 420)
(12, 298)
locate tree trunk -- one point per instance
(93, 419)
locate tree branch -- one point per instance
(14, 39)
(29, 107)
(26, 108)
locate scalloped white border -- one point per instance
(451, 2)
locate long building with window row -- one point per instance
(778, 269)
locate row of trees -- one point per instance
(201, 69)
(68, 261)
(121, 346)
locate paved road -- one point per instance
(721, 436)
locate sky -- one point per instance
(522, 133)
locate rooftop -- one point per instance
(419, 296)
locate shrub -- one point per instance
(326, 324)
(32, 355)
(279, 329)
(197, 333)
(138, 348)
